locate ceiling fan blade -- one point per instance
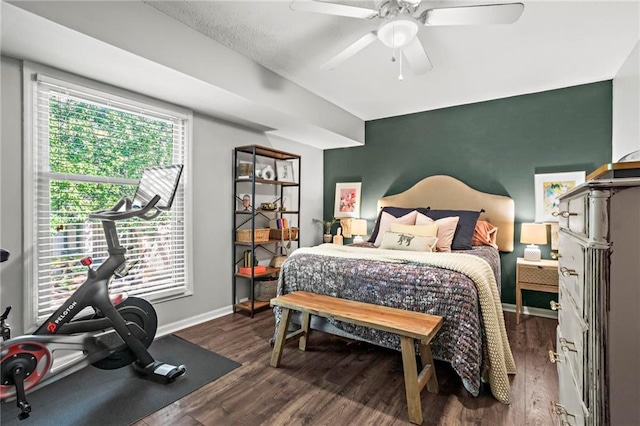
(351, 50)
(416, 56)
(332, 9)
(474, 15)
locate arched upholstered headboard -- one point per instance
(447, 193)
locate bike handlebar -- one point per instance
(114, 212)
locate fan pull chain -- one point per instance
(400, 77)
(393, 51)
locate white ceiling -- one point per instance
(554, 44)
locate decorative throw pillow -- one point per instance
(466, 226)
(395, 212)
(485, 234)
(430, 230)
(386, 219)
(402, 241)
(446, 230)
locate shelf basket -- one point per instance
(265, 290)
(244, 235)
(283, 234)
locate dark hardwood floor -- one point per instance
(338, 382)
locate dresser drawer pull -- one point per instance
(564, 214)
(555, 306)
(553, 357)
(566, 272)
(560, 411)
(570, 346)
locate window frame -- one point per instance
(32, 74)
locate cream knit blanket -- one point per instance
(501, 361)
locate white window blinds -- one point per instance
(89, 149)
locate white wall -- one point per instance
(626, 107)
(11, 281)
(212, 147)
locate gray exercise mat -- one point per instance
(119, 397)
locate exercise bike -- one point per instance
(116, 334)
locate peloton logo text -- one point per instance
(52, 326)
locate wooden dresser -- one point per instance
(598, 338)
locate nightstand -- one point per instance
(538, 276)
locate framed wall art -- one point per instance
(284, 171)
(347, 202)
(548, 187)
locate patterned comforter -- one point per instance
(461, 340)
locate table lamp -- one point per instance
(358, 229)
(533, 234)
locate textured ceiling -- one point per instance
(554, 44)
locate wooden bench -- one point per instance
(410, 326)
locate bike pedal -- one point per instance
(161, 372)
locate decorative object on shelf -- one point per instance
(337, 239)
(268, 173)
(347, 199)
(265, 289)
(258, 269)
(245, 170)
(358, 229)
(284, 235)
(246, 201)
(533, 234)
(548, 187)
(268, 206)
(284, 170)
(282, 207)
(259, 169)
(244, 235)
(278, 260)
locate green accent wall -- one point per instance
(495, 146)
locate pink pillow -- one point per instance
(484, 234)
(385, 223)
(446, 230)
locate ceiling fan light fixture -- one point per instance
(398, 32)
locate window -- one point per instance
(89, 149)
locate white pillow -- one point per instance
(417, 230)
(446, 229)
(387, 219)
(402, 241)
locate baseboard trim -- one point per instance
(191, 321)
(526, 310)
(207, 316)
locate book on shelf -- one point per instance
(281, 223)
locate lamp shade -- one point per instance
(533, 233)
(359, 227)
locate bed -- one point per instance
(462, 286)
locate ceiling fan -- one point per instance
(400, 22)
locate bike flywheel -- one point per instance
(32, 357)
(140, 312)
